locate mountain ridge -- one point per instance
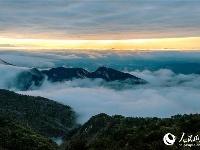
(33, 78)
(132, 133)
(2, 62)
(46, 117)
(59, 74)
(108, 74)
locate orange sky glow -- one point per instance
(187, 43)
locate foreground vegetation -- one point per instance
(28, 123)
(103, 132)
(16, 137)
(43, 116)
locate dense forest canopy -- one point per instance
(42, 115)
(30, 122)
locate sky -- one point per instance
(100, 24)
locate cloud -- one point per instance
(27, 61)
(91, 60)
(167, 78)
(8, 76)
(72, 56)
(35, 58)
(99, 19)
(7, 45)
(166, 94)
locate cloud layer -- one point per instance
(167, 93)
(108, 19)
(92, 59)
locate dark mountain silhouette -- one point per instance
(108, 74)
(62, 73)
(4, 63)
(34, 77)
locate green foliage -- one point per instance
(77, 145)
(43, 116)
(17, 137)
(103, 132)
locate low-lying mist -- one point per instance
(8, 76)
(166, 94)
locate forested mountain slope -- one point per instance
(46, 117)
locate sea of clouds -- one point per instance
(91, 59)
(162, 98)
(165, 95)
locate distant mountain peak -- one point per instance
(2, 62)
(102, 69)
(34, 77)
(110, 74)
